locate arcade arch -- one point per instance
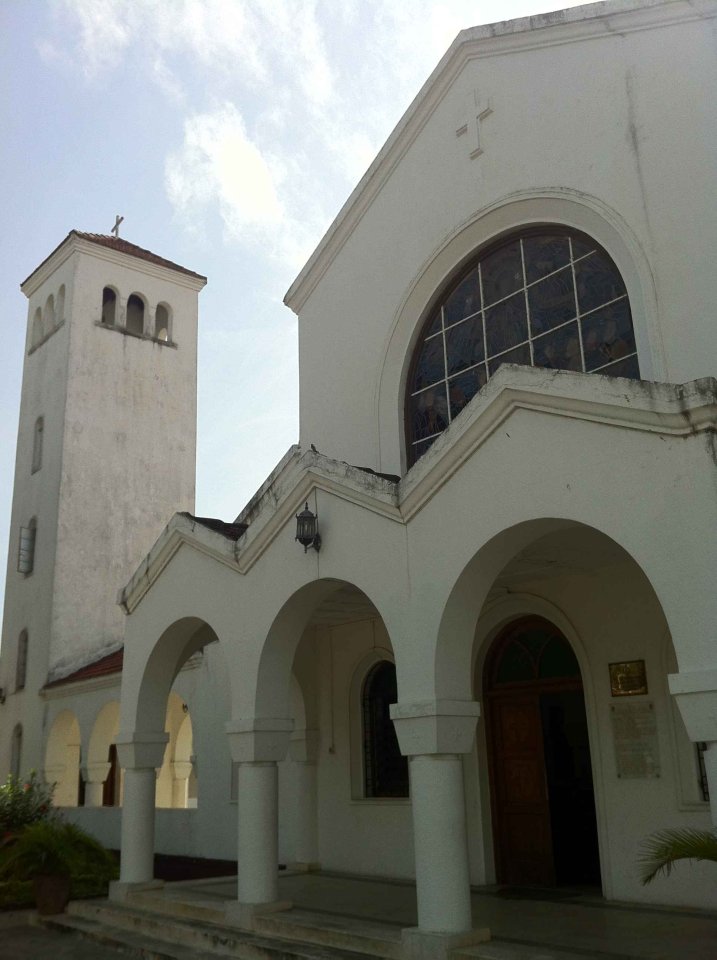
(62, 759)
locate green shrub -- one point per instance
(55, 847)
(23, 802)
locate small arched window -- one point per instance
(545, 298)
(16, 751)
(161, 323)
(135, 314)
(37, 444)
(385, 769)
(37, 331)
(21, 664)
(109, 306)
(60, 308)
(48, 314)
(26, 548)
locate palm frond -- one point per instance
(663, 849)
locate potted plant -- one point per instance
(51, 853)
(663, 849)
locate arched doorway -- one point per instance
(544, 823)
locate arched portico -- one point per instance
(142, 742)
(62, 759)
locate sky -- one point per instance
(228, 133)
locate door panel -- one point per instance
(524, 838)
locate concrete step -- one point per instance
(507, 950)
(356, 935)
(169, 937)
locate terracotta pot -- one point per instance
(52, 893)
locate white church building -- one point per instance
(498, 661)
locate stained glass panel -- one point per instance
(431, 365)
(502, 273)
(464, 346)
(544, 255)
(430, 412)
(551, 301)
(506, 324)
(520, 355)
(577, 318)
(464, 301)
(607, 335)
(464, 387)
(598, 282)
(559, 350)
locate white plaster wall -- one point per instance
(604, 121)
(356, 834)
(28, 598)
(129, 452)
(609, 614)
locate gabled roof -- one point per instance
(232, 531)
(105, 666)
(588, 21)
(121, 246)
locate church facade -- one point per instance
(498, 662)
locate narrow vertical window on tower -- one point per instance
(161, 323)
(37, 331)
(109, 306)
(385, 769)
(135, 314)
(37, 444)
(26, 550)
(16, 751)
(21, 664)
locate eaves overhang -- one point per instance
(677, 410)
(667, 409)
(582, 23)
(278, 499)
(75, 243)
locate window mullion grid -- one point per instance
(445, 365)
(577, 306)
(482, 321)
(527, 305)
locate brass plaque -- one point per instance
(628, 679)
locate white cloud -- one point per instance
(219, 162)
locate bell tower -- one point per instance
(106, 454)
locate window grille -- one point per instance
(703, 782)
(385, 769)
(26, 552)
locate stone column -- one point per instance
(257, 745)
(434, 735)
(140, 755)
(94, 775)
(303, 750)
(696, 695)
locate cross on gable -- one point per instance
(118, 221)
(477, 111)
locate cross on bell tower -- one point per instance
(118, 221)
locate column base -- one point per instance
(243, 915)
(119, 890)
(417, 944)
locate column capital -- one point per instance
(259, 739)
(140, 750)
(696, 696)
(435, 726)
(95, 772)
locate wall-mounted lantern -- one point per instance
(307, 529)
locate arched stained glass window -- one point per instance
(385, 769)
(546, 298)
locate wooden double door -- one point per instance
(544, 823)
